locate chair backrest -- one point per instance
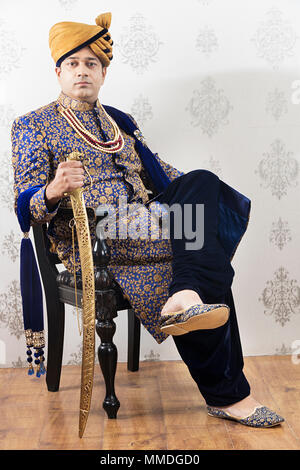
(47, 261)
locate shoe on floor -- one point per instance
(262, 417)
(196, 317)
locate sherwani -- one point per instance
(40, 141)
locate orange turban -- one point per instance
(68, 37)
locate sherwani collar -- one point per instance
(68, 102)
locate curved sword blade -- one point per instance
(88, 307)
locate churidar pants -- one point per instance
(214, 357)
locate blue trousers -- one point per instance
(214, 357)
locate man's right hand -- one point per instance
(69, 175)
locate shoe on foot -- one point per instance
(196, 317)
(261, 417)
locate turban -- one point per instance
(67, 37)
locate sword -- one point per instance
(88, 296)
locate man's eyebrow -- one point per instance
(86, 58)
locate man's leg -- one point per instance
(215, 360)
(207, 270)
(213, 357)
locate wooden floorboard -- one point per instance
(161, 408)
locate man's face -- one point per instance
(81, 75)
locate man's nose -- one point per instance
(82, 70)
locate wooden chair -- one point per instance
(59, 288)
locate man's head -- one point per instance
(81, 53)
(81, 75)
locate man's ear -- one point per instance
(58, 71)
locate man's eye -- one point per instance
(90, 63)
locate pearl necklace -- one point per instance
(111, 146)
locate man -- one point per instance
(174, 291)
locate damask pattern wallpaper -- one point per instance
(212, 84)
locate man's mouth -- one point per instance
(82, 83)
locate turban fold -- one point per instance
(68, 37)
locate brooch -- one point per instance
(140, 137)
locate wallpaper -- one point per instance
(212, 84)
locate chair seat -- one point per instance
(66, 279)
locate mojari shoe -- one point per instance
(196, 317)
(262, 417)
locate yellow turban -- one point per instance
(68, 37)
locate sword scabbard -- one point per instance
(88, 295)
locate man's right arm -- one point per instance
(31, 163)
(50, 197)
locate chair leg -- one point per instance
(106, 310)
(134, 335)
(56, 327)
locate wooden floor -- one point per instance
(161, 408)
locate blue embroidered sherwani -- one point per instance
(40, 141)
(142, 267)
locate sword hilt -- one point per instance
(77, 156)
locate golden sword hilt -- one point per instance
(79, 157)
(88, 295)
